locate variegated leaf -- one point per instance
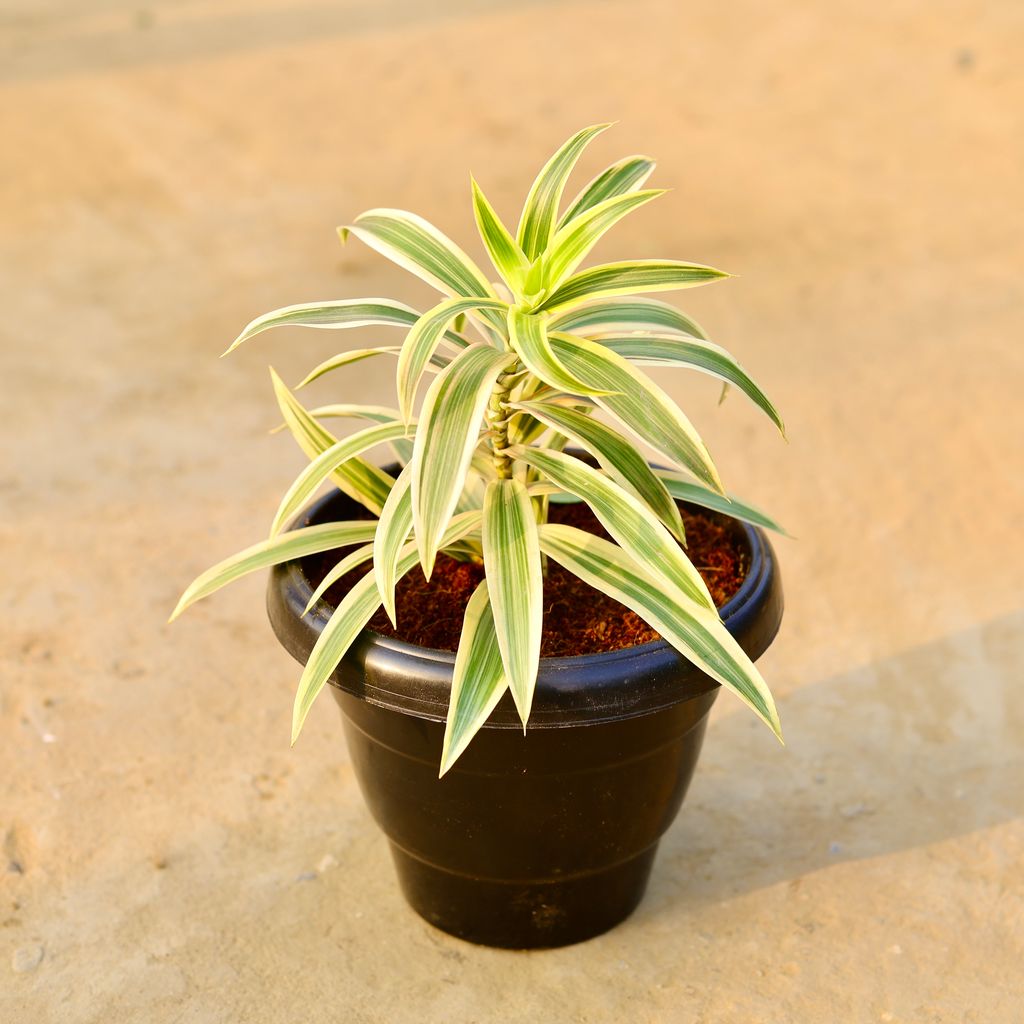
(422, 341)
(448, 433)
(330, 461)
(351, 561)
(697, 633)
(392, 533)
(686, 490)
(628, 313)
(529, 337)
(573, 242)
(631, 276)
(307, 540)
(641, 535)
(541, 209)
(516, 585)
(508, 259)
(338, 313)
(358, 478)
(478, 680)
(616, 455)
(350, 618)
(437, 361)
(417, 246)
(639, 404)
(623, 176)
(698, 355)
(377, 413)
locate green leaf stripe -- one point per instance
(621, 177)
(449, 431)
(337, 314)
(351, 617)
(686, 490)
(573, 242)
(632, 276)
(416, 245)
(698, 355)
(695, 632)
(616, 456)
(308, 540)
(640, 533)
(358, 478)
(516, 585)
(632, 313)
(478, 680)
(639, 404)
(422, 341)
(541, 208)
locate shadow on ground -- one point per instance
(931, 747)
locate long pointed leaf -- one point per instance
(617, 456)
(641, 535)
(437, 362)
(417, 246)
(529, 337)
(541, 209)
(623, 176)
(342, 568)
(392, 533)
(422, 341)
(351, 617)
(308, 540)
(516, 585)
(573, 242)
(478, 680)
(328, 462)
(338, 313)
(629, 313)
(448, 432)
(695, 632)
(377, 413)
(508, 259)
(639, 404)
(686, 490)
(698, 355)
(631, 276)
(357, 478)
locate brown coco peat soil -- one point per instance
(577, 618)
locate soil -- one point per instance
(577, 618)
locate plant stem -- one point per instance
(498, 416)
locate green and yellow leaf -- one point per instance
(621, 177)
(696, 632)
(308, 540)
(447, 435)
(478, 681)
(516, 585)
(639, 404)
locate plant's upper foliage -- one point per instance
(549, 346)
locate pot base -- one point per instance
(523, 915)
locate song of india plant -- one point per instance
(519, 369)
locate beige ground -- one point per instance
(168, 172)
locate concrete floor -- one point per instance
(171, 171)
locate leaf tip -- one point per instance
(343, 232)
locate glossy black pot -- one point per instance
(537, 840)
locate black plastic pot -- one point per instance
(537, 840)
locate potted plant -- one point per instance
(523, 795)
